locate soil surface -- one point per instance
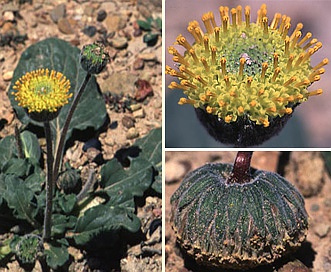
(306, 170)
(114, 22)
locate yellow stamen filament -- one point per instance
(175, 85)
(188, 84)
(210, 93)
(173, 72)
(275, 21)
(308, 54)
(290, 81)
(223, 62)
(217, 34)
(286, 29)
(289, 62)
(286, 111)
(205, 64)
(312, 42)
(298, 28)
(183, 101)
(295, 39)
(234, 17)
(265, 26)
(305, 38)
(200, 79)
(225, 21)
(317, 46)
(282, 24)
(194, 56)
(316, 78)
(272, 109)
(316, 92)
(207, 20)
(199, 34)
(206, 43)
(276, 73)
(239, 14)
(233, 93)
(241, 68)
(221, 103)
(203, 97)
(227, 81)
(183, 69)
(247, 16)
(321, 64)
(287, 45)
(317, 72)
(213, 54)
(299, 60)
(275, 63)
(192, 29)
(181, 40)
(264, 69)
(302, 83)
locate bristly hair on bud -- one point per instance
(242, 75)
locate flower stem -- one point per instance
(241, 168)
(60, 147)
(49, 183)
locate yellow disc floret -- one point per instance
(41, 90)
(257, 69)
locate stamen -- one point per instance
(175, 85)
(228, 118)
(183, 101)
(299, 60)
(241, 67)
(321, 64)
(181, 40)
(276, 73)
(217, 34)
(223, 62)
(275, 21)
(264, 69)
(173, 72)
(199, 33)
(206, 43)
(308, 54)
(305, 38)
(295, 39)
(194, 56)
(290, 81)
(312, 42)
(317, 72)
(304, 82)
(275, 63)
(183, 69)
(247, 16)
(241, 109)
(188, 84)
(317, 46)
(316, 92)
(213, 54)
(286, 29)
(252, 103)
(201, 80)
(286, 111)
(227, 81)
(265, 26)
(287, 45)
(239, 14)
(261, 92)
(298, 28)
(234, 17)
(282, 24)
(249, 82)
(289, 62)
(206, 18)
(205, 64)
(225, 21)
(192, 29)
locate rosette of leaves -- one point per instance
(237, 221)
(153, 26)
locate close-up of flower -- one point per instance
(244, 78)
(42, 91)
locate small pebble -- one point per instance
(128, 121)
(132, 133)
(102, 14)
(139, 113)
(119, 43)
(147, 56)
(65, 26)
(322, 229)
(175, 171)
(58, 13)
(138, 64)
(8, 16)
(135, 107)
(315, 207)
(8, 75)
(90, 31)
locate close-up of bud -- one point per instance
(94, 58)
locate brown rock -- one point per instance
(114, 22)
(65, 26)
(8, 75)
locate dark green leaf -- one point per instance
(150, 38)
(60, 223)
(17, 167)
(19, 198)
(104, 218)
(65, 202)
(144, 25)
(57, 254)
(30, 146)
(123, 184)
(59, 55)
(7, 149)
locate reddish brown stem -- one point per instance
(241, 168)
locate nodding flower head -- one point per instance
(94, 58)
(42, 93)
(254, 73)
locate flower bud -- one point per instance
(94, 58)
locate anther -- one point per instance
(249, 82)
(206, 43)
(289, 62)
(308, 54)
(194, 56)
(223, 62)
(264, 69)
(201, 80)
(290, 81)
(175, 85)
(316, 92)
(286, 29)
(213, 54)
(297, 28)
(302, 83)
(225, 21)
(206, 18)
(241, 67)
(217, 34)
(275, 63)
(305, 38)
(241, 109)
(239, 14)
(183, 101)
(247, 16)
(183, 69)
(312, 42)
(299, 60)
(321, 64)
(295, 39)
(317, 72)
(287, 45)
(265, 26)
(227, 81)
(234, 17)
(275, 21)
(188, 84)
(181, 40)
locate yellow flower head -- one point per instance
(242, 69)
(42, 91)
